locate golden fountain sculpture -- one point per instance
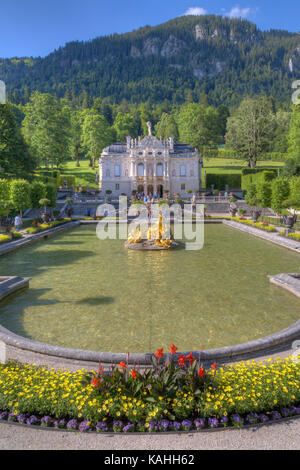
(154, 238)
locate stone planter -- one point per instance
(6, 226)
(45, 217)
(233, 211)
(289, 221)
(255, 215)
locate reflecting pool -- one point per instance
(92, 294)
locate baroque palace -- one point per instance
(150, 166)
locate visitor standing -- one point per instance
(18, 222)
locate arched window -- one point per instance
(140, 169)
(160, 169)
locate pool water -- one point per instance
(96, 295)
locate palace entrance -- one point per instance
(160, 191)
(150, 189)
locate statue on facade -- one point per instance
(149, 125)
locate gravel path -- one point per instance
(277, 436)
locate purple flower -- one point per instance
(187, 424)
(85, 426)
(3, 415)
(213, 422)
(46, 421)
(61, 424)
(163, 425)
(224, 421)
(236, 418)
(263, 418)
(117, 426)
(252, 418)
(153, 426)
(176, 426)
(275, 415)
(72, 424)
(128, 428)
(12, 417)
(101, 426)
(199, 423)
(22, 418)
(32, 420)
(286, 412)
(293, 410)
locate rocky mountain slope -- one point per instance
(224, 58)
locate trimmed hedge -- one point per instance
(257, 175)
(233, 180)
(70, 180)
(231, 154)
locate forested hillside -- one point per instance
(178, 61)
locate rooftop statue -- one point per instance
(149, 125)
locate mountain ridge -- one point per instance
(221, 57)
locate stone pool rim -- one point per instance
(261, 345)
(237, 352)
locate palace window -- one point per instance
(160, 169)
(140, 169)
(183, 170)
(117, 171)
(107, 173)
(183, 187)
(117, 187)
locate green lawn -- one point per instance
(84, 174)
(225, 165)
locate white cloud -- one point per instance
(197, 11)
(237, 12)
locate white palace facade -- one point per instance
(149, 166)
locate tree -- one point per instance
(280, 192)
(167, 127)
(76, 120)
(46, 128)
(37, 192)
(198, 126)
(20, 194)
(282, 124)
(251, 197)
(264, 194)
(96, 135)
(294, 134)
(250, 129)
(4, 190)
(51, 194)
(15, 159)
(125, 125)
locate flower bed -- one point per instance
(292, 236)
(177, 395)
(7, 238)
(260, 225)
(40, 227)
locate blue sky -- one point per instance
(37, 27)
